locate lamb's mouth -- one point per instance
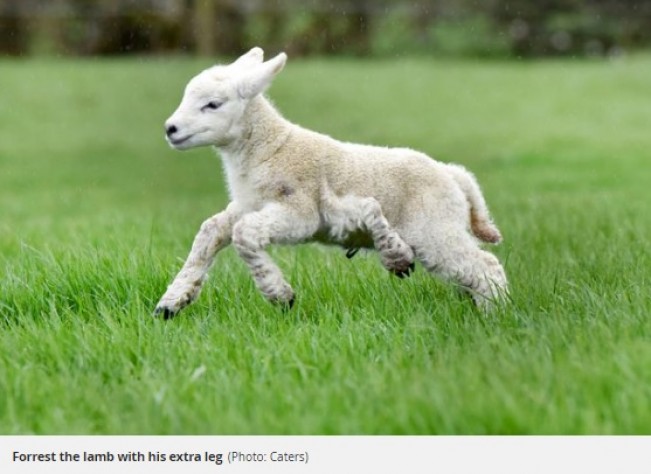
(178, 141)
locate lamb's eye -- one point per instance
(211, 105)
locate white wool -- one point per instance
(290, 185)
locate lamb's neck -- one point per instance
(263, 132)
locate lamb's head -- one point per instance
(214, 101)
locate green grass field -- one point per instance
(97, 215)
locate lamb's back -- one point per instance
(396, 177)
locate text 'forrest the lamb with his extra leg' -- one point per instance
(290, 185)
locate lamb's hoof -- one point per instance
(406, 272)
(175, 300)
(282, 297)
(283, 304)
(351, 252)
(289, 304)
(164, 312)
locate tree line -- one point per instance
(503, 28)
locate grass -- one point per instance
(97, 215)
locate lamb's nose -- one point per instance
(171, 130)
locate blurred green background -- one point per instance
(504, 28)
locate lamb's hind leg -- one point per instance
(460, 259)
(351, 213)
(275, 223)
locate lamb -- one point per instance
(290, 185)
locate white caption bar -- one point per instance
(324, 454)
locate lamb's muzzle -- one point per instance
(170, 130)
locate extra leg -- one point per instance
(214, 234)
(351, 213)
(275, 223)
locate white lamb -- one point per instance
(291, 185)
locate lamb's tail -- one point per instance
(480, 221)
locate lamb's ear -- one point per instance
(253, 57)
(258, 78)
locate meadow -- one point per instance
(97, 215)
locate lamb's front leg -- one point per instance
(214, 234)
(275, 223)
